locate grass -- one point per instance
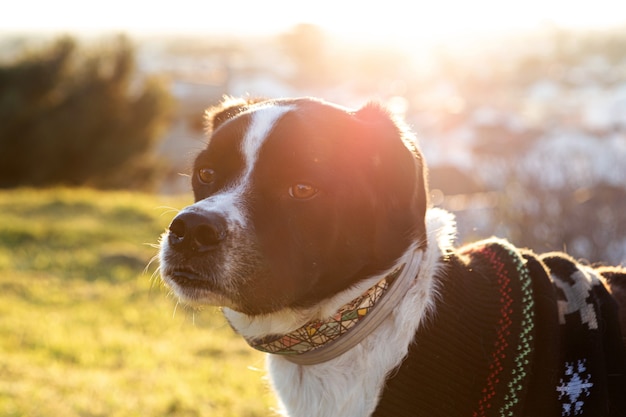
(86, 332)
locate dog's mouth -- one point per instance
(188, 278)
(196, 289)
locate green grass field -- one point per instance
(84, 331)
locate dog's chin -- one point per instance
(194, 290)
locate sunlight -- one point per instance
(376, 22)
(447, 19)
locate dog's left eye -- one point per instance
(206, 175)
(302, 191)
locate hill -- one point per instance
(86, 330)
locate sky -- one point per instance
(383, 19)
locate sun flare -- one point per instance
(381, 21)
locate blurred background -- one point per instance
(519, 107)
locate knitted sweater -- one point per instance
(513, 334)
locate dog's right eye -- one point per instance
(302, 191)
(206, 175)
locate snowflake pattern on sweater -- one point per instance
(574, 388)
(585, 387)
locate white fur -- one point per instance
(263, 121)
(224, 203)
(350, 385)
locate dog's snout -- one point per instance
(194, 232)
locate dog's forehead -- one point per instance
(281, 137)
(250, 130)
(262, 121)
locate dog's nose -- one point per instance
(194, 232)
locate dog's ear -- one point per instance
(377, 114)
(227, 109)
(384, 125)
(400, 145)
(374, 112)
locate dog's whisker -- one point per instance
(167, 210)
(153, 259)
(154, 278)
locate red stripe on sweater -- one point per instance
(502, 335)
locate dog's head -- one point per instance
(296, 200)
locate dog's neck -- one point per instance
(319, 341)
(338, 324)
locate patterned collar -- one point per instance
(321, 340)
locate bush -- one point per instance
(77, 117)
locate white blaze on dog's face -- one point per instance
(296, 200)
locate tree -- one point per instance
(77, 117)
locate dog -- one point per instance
(311, 228)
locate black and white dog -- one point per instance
(312, 230)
